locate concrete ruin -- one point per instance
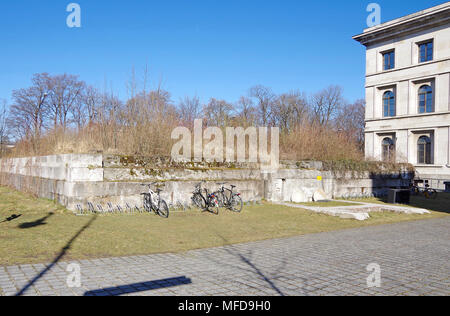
(76, 179)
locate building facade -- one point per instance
(408, 92)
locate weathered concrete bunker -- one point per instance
(74, 179)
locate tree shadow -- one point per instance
(58, 258)
(139, 287)
(39, 222)
(11, 218)
(253, 268)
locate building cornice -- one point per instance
(423, 115)
(420, 65)
(426, 19)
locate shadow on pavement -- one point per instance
(245, 259)
(58, 258)
(139, 287)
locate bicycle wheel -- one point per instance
(199, 201)
(148, 207)
(163, 210)
(236, 204)
(220, 198)
(213, 205)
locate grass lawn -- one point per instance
(40, 229)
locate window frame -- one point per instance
(425, 99)
(390, 65)
(389, 105)
(425, 44)
(424, 150)
(388, 149)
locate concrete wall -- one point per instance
(78, 179)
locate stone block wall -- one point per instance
(78, 179)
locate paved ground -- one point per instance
(360, 211)
(413, 257)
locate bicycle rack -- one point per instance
(110, 207)
(91, 208)
(80, 209)
(118, 209)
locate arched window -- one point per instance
(424, 150)
(388, 147)
(389, 104)
(426, 99)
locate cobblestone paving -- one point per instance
(414, 260)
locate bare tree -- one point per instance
(65, 94)
(248, 114)
(30, 109)
(92, 99)
(218, 112)
(264, 97)
(351, 121)
(326, 105)
(3, 127)
(289, 109)
(190, 109)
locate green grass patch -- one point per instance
(41, 229)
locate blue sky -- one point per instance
(207, 48)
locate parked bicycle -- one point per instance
(229, 199)
(426, 192)
(207, 202)
(154, 202)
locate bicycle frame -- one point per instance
(154, 202)
(154, 197)
(209, 199)
(228, 198)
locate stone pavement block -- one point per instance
(328, 264)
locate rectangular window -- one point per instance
(426, 52)
(389, 60)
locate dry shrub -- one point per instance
(149, 140)
(313, 142)
(305, 142)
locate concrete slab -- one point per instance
(360, 211)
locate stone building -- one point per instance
(408, 92)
